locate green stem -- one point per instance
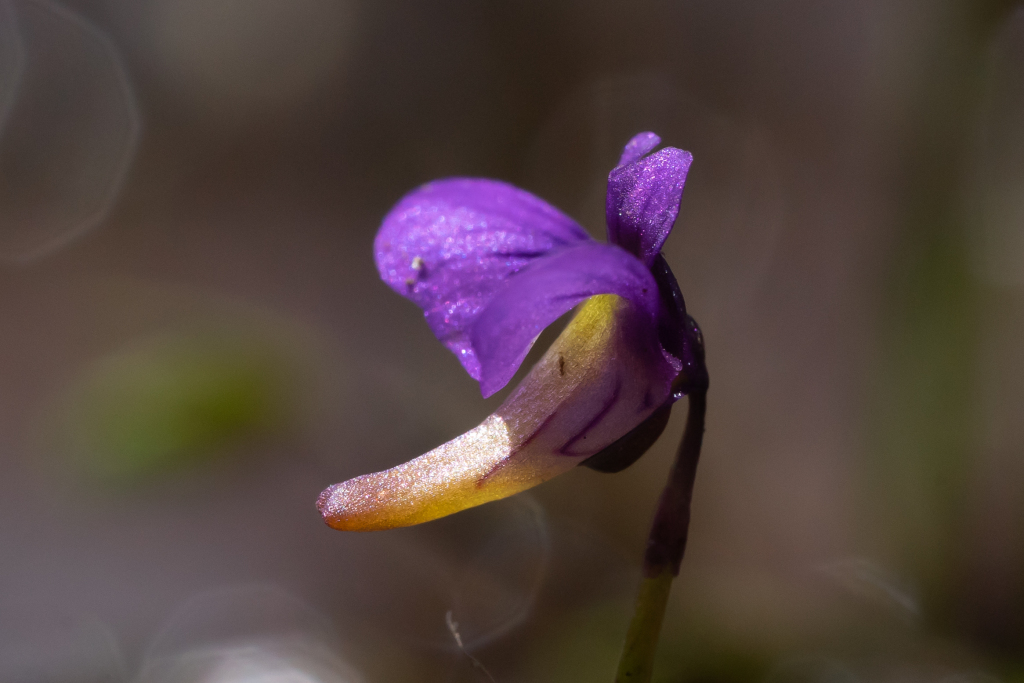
(665, 547)
(637, 663)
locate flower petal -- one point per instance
(638, 147)
(643, 200)
(550, 287)
(449, 246)
(598, 381)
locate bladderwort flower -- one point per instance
(491, 266)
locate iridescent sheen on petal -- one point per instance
(450, 245)
(600, 379)
(643, 200)
(548, 288)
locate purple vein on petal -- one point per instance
(596, 420)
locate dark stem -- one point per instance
(665, 547)
(667, 541)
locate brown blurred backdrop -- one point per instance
(194, 341)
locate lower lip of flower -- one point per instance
(592, 386)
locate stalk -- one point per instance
(665, 547)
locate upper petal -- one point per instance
(639, 146)
(539, 294)
(450, 245)
(643, 199)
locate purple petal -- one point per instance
(538, 295)
(638, 147)
(450, 245)
(643, 201)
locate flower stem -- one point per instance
(665, 547)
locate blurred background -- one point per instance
(194, 341)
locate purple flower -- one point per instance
(492, 266)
